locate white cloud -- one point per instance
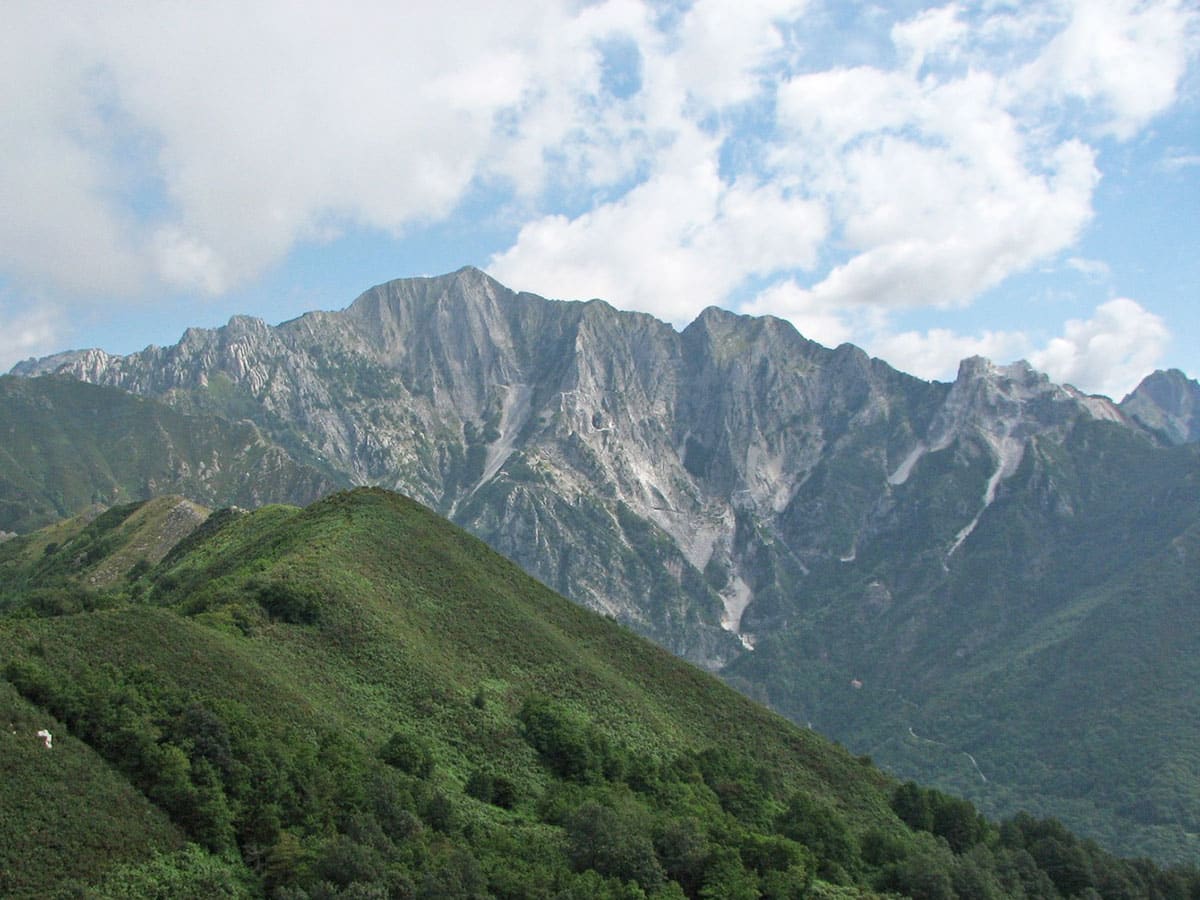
(787, 300)
(935, 354)
(680, 241)
(260, 128)
(58, 226)
(944, 181)
(1177, 160)
(285, 128)
(192, 147)
(933, 32)
(185, 263)
(29, 332)
(722, 47)
(1108, 353)
(1126, 57)
(271, 130)
(939, 193)
(565, 128)
(1092, 269)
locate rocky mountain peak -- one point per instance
(1167, 403)
(540, 424)
(733, 490)
(1014, 399)
(88, 363)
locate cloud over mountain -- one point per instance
(664, 159)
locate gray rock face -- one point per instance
(877, 555)
(681, 482)
(1167, 403)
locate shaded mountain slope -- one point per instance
(67, 445)
(795, 517)
(1167, 403)
(1050, 663)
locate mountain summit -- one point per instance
(1167, 403)
(687, 463)
(877, 555)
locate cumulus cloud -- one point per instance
(1124, 57)
(935, 354)
(259, 128)
(1108, 353)
(27, 331)
(723, 48)
(186, 263)
(665, 158)
(931, 33)
(1092, 269)
(939, 191)
(1177, 160)
(788, 300)
(58, 226)
(680, 241)
(273, 131)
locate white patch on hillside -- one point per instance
(1009, 452)
(697, 537)
(764, 472)
(736, 596)
(514, 413)
(1000, 405)
(1100, 407)
(905, 468)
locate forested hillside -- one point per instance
(926, 572)
(359, 700)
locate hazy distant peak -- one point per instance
(1167, 402)
(86, 361)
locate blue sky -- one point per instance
(1017, 180)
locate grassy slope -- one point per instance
(280, 650)
(65, 810)
(427, 631)
(428, 613)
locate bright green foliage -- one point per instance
(495, 789)
(567, 742)
(435, 724)
(614, 845)
(821, 828)
(409, 753)
(188, 874)
(951, 818)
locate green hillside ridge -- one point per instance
(66, 445)
(987, 579)
(358, 699)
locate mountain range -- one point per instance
(988, 584)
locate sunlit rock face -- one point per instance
(953, 578)
(1167, 403)
(683, 482)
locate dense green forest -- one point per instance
(1049, 665)
(359, 700)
